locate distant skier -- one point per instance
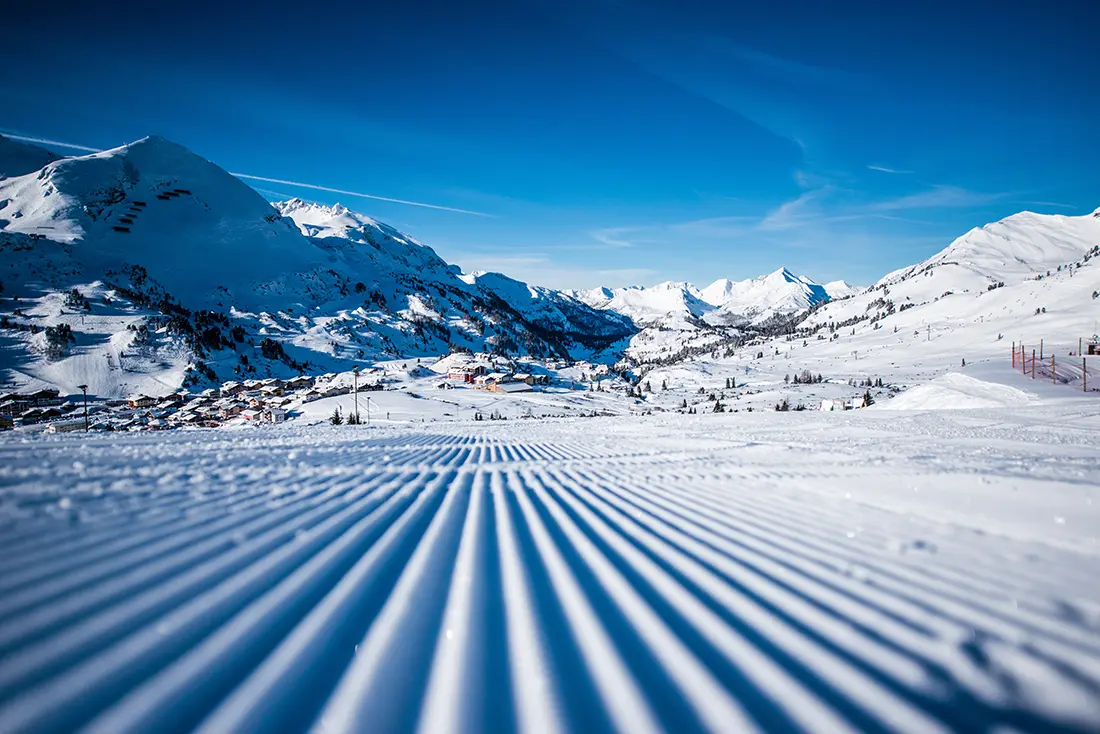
(964, 361)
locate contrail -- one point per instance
(57, 143)
(361, 195)
(299, 184)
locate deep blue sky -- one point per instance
(611, 141)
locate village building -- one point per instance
(252, 414)
(230, 411)
(65, 426)
(276, 415)
(831, 404)
(13, 407)
(462, 374)
(230, 389)
(41, 398)
(142, 401)
(302, 382)
(509, 387)
(271, 391)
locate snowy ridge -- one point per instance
(723, 302)
(603, 575)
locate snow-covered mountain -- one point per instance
(183, 272)
(672, 305)
(668, 304)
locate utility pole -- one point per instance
(930, 332)
(355, 389)
(84, 389)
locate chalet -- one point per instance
(831, 404)
(461, 374)
(272, 382)
(252, 414)
(509, 387)
(524, 377)
(168, 404)
(231, 388)
(142, 401)
(37, 415)
(13, 407)
(499, 377)
(301, 382)
(276, 415)
(230, 411)
(209, 394)
(65, 426)
(44, 397)
(271, 391)
(253, 384)
(312, 395)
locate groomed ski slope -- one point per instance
(863, 571)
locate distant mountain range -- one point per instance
(723, 302)
(146, 266)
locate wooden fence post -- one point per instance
(1033, 364)
(1052, 380)
(1013, 355)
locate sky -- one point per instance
(576, 143)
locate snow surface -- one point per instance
(861, 571)
(956, 391)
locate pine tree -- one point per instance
(867, 399)
(335, 419)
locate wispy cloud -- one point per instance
(885, 169)
(936, 197)
(1048, 203)
(283, 182)
(613, 236)
(796, 211)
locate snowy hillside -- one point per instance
(164, 267)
